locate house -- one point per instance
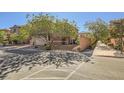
(61, 40)
(15, 29)
(54, 38)
(57, 39)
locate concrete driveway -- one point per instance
(104, 68)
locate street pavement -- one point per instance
(103, 68)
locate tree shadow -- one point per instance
(88, 52)
(104, 48)
(15, 62)
(22, 51)
(118, 54)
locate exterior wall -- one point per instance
(15, 29)
(84, 42)
(60, 42)
(57, 40)
(37, 41)
(42, 41)
(63, 47)
(113, 41)
(6, 30)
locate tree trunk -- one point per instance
(94, 43)
(121, 41)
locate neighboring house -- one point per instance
(7, 35)
(12, 30)
(55, 39)
(15, 29)
(6, 30)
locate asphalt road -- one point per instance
(104, 68)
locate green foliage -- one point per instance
(49, 27)
(41, 25)
(45, 25)
(117, 31)
(21, 37)
(3, 37)
(47, 46)
(118, 46)
(99, 29)
(77, 41)
(23, 34)
(93, 40)
(66, 28)
(14, 37)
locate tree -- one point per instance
(41, 25)
(66, 29)
(117, 31)
(14, 38)
(23, 35)
(3, 37)
(20, 37)
(99, 29)
(48, 26)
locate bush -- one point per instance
(47, 46)
(118, 47)
(77, 41)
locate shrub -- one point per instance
(47, 46)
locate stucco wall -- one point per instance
(113, 41)
(37, 41)
(63, 47)
(84, 42)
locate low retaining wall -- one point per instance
(63, 47)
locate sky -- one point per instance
(8, 19)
